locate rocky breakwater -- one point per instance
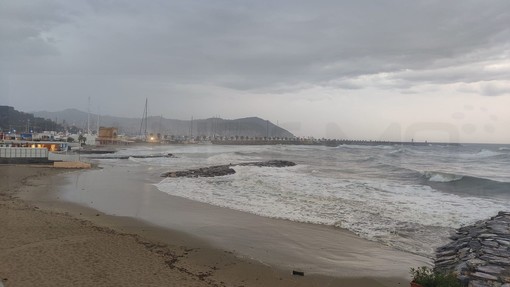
(479, 254)
(221, 170)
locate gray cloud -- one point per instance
(251, 44)
(243, 58)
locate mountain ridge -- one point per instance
(15, 120)
(252, 126)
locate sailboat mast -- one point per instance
(143, 123)
(88, 118)
(98, 114)
(191, 128)
(160, 119)
(146, 117)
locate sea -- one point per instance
(404, 196)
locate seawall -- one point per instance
(480, 253)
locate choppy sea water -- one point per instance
(407, 197)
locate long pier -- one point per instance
(132, 156)
(331, 143)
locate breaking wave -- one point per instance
(485, 153)
(441, 176)
(466, 185)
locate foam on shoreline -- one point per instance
(315, 248)
(78, 243)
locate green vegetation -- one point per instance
(427, 277)
(82, 139)
(11, 119)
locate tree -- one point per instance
(82, 140)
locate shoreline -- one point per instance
(193, 259)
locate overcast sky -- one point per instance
(395, 70)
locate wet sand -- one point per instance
(46, 241)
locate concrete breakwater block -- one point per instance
(71, 164)
(221, 170)
(480, 253)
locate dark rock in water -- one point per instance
(212, 171)
(479, 254)
(221, 170)
(269, 163)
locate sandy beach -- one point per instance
(46, 241)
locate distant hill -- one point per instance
(251, 126)
(11, 119)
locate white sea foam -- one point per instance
(397, 151)
(488, 153)
(484, 153)
(385, 147)
(442, 176)
(356, 187)
(156, 161)
(377, 210)
(227, 158)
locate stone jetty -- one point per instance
(480, 253)
(221, 170)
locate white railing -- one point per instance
(23, 152)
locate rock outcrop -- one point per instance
(479, 253)
(221, 170)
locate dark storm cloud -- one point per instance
(23, 27)
(257, 44)
(361, 65)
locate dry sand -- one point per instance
(62, 244)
